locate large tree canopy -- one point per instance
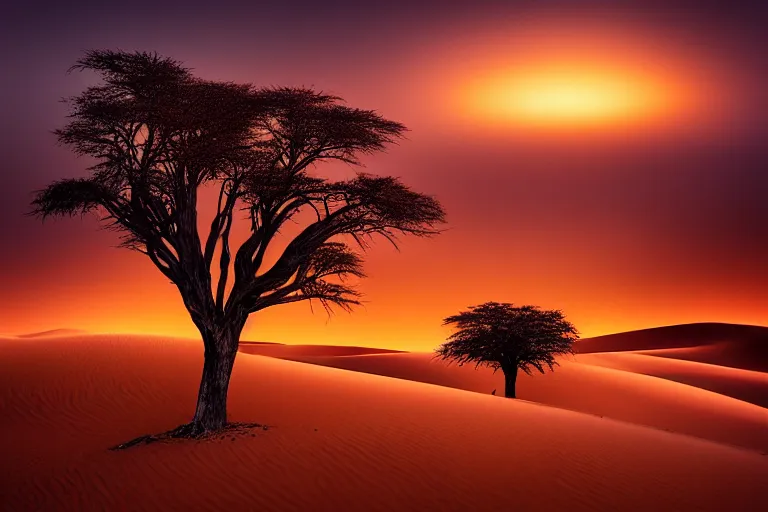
(501, 335)
(157, 134)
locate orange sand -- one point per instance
(340, 440)
(288, 351)
(746, 385)
(739, 346)
(592, 389)
(48, 334)
(745, 355)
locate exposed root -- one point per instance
(194, 431)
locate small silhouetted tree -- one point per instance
(501, 335)
(158, 134)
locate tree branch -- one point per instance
(224, 263)
(223, 213)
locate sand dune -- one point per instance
(739, 346)
(339, 441)
(49, 334)
(750, 386)
(290, 351)
(591, 385)
(745, 355)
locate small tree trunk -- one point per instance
(510, 379)
(220, 353)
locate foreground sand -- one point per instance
(339, 441)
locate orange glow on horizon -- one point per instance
(406, 301)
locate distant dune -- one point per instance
(289, 351)
(750, 386)
(746, 354)
(345, 440)
(50, 334)
(740, 346)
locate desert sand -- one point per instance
(593, 388)
(342, 440)
(738, 346)
(48, 334)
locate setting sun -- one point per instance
(577, 98)
(565, 96)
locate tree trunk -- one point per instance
(510, 379)
(220, 352)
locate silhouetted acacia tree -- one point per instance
(158, 134)
(501, 335)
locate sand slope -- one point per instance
(48, 334)
(340, 441)
(290, 351)
(739, 346)
(746, 385)
(590, 384)
(743, 355)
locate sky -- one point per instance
(605, 158)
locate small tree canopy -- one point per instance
(501, 335)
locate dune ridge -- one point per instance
(48, 334)
(753, 356)
(739, 346)
(747, 385)
(288, 351)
